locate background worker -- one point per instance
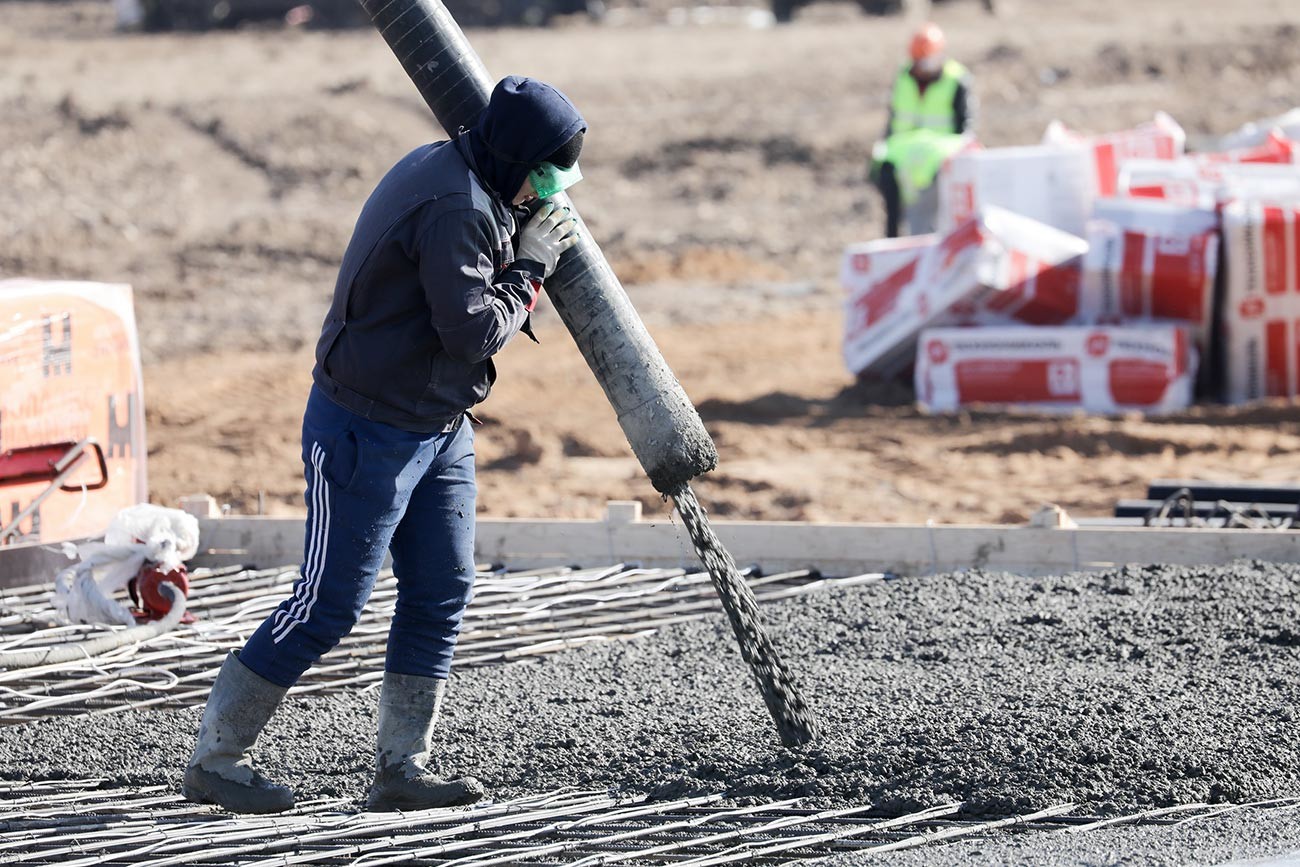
(431, 287)
(931, 106)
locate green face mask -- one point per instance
(549, 179)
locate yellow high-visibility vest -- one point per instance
(931, 110)
(917, 157)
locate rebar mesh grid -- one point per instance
(83, 823)
(514, 616)
(77, 823)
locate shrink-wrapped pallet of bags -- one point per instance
(1146, 368)
(1158, 140)
(1054, 182)
(1206, 180)
(1255, 132)
(996, 268)
(1261, 308)
(1150, 260)
(1048, 183)
(863, 265)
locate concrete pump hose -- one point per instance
(658, 419)
(66, 653)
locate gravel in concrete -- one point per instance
(1134, 688)
(1237, 839)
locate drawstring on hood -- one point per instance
(525, 121)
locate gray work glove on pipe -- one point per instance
(549, 233)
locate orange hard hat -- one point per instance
(928, 42)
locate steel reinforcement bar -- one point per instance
(78, 823)
(515, 616)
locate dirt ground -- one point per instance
(220, 175)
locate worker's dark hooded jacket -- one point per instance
(429, 289)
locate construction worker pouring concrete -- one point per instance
(431, 287)
(932, 106)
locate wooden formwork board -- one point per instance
(835, 549)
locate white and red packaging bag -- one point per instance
(865, 263)
(1261, 308)
(997, 268)
(1255, 132)
(1160, 139)
(1205, 180)
(1181, 182)
(1150, 260)
(1272, 182)
(1275, 148)
(1105, 369)
(1033, 273)
(1048, 183)
(885, 302)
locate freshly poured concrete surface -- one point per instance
(1238, 839)
(1120, 691)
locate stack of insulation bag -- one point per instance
(1093, 273)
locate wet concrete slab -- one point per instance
(1136, 688)
(1251, 838)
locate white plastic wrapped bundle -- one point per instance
(145, 533)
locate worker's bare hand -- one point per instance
(549, 233)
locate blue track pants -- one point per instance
(373, 488)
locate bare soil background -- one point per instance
(220, 174)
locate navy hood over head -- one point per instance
(525, 121)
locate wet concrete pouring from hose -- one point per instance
(1138, 687)
(793, 718)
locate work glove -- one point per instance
(549, 233)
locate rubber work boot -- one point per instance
(408, 709)
(221, 771)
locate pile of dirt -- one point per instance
(1138, 687)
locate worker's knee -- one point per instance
(426, 621)
(434, 599)
(429, 625)
(301, 630)
(322, 625)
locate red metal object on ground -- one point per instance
(45, 463)
(146, 592)
(32, 464)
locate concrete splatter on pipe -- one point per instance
(657, 417)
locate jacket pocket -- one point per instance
(431, 384)
(329, 338)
